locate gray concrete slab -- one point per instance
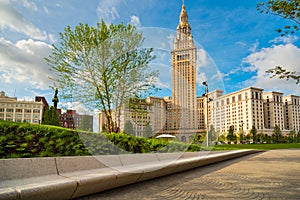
(269, 175)
(26, 168)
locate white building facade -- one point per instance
(242, 109)
(12, 109)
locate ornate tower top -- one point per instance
(184, 26)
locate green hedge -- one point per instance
(31, 140)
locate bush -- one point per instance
(19, 140)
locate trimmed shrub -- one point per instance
(19, 140)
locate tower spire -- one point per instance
(184, 26)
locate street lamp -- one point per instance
(206, 95)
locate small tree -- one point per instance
(222, 138)
(292, 136)
(128, 128)
(212, 134)
(253, 132)
(148, 131)
(102, 67)
(241, 136)
(297, 137)
(277, 133)
(231, 137)
(51, 117)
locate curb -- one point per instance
(73, 177)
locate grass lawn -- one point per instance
(256, 146)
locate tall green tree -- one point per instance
(148, 130)
(297, 137)
(128, 128)
(277, 133)
(292, 136)
(253, 132)
(231, 137)
(50, 117)
(102, 67)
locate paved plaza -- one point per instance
(268, 175)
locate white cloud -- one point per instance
(52, 38)
(240, 43)
(202, 58)
(286, 39)
(29, 4)
(13, 20)
(135, 20)
(287, 56)
(23, 63)
(161, 84)
(171, 40)
(253, 48)
(108, 10)
(46, 9)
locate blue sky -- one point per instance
(236, 42)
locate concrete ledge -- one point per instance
(72, 177)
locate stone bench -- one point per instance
(72, 177)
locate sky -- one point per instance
(236, 43)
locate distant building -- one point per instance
(45, 104)
(291, 109)
(12, 109)
(71, 119)
(242, 109)
(273, 110)
(184, 56)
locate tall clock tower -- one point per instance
(184, 55)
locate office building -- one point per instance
(273, 110)
(12, 109)
(184, 54)
(73, 120)
(291, 109)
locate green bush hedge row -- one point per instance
(31, 140)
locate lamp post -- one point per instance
(206, 95)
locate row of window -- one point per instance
(19, 110)
(20, 105)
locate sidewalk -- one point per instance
(269, 175)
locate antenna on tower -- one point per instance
(182, 2)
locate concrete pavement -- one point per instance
(269, 175)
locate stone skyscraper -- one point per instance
(184, 55)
